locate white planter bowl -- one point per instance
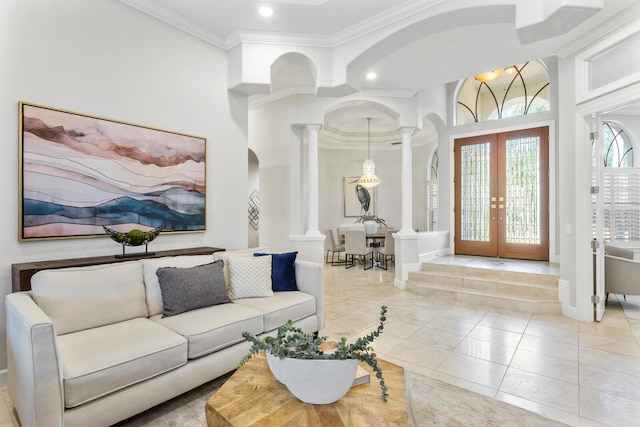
(370, 227)
(317, 381)
(275, 364)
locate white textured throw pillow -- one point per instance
(250, 277)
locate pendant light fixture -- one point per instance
(369, 179)
(488, 76)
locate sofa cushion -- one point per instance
(213, 328)
(85, 297)
(185, 289)
(99, 361)
(250, 277)
(235, 253)
(152, 285)
(282, 307)
(283, 271)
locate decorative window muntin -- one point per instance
(518, 90)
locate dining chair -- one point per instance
(332, 247)
(388, 251)
(355, 243)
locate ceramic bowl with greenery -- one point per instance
(293, 343)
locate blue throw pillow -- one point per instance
(283, 271)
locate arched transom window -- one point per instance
(512, 91)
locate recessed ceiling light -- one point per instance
(265, 11)
(371, 75)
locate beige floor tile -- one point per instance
(611, 382)
(546, 411)
(563, 333)
(609, 409)
(508, 312)
(486, 350)
(472, 369)
(436, 338)
(614, 332)
(463, 315)
(497, 336)
(419, 354)
(541, 389)
(468, 385)
(400, 329)
(549, 347)
(451, 326)
(547, 366)
(385, 343)
(609, 343)
(413, 316)
(408, 365)
(612, 361)
(505, 323)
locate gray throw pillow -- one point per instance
(185, 289)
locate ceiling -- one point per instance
(456, 45)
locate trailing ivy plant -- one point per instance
(293, 342)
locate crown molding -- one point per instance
(169, 17)
(401, 12)
(601, 32)
(405, 11)
(288, 39)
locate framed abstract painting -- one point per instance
(79, 173)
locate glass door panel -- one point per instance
(501, 184)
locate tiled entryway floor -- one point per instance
(585, 374)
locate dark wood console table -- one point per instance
(21, 273)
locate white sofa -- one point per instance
(90, 346)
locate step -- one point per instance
(520, 291)
(489, 273)
(468, 297)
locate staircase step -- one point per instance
(520, 291)
(533, 305)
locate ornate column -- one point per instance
(406, 240)
(312, 223)
(310, 245)
(407, 183)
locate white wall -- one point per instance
(106, 59)
(271, 138)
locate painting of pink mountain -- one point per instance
(80, 173)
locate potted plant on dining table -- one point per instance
(371, 222)
(314, 370)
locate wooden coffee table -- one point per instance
(253, 397)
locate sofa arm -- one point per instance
(621, 275)
(310, 279)
(34, 366)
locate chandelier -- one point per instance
(369, 179)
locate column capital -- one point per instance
(406, 130)
(306, 126)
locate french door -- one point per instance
(502, 194)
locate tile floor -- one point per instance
(582, 374)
